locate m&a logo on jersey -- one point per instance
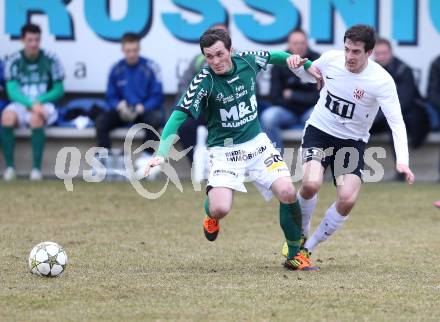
(358, 93)
(239, 115)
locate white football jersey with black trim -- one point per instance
(349, 102)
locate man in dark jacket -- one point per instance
(292, 100)
(413, 111)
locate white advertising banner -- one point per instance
(85, 34)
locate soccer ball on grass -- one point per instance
(47, 259)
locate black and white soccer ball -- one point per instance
(47, 259)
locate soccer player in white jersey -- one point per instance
(338, 129)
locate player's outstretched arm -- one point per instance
(167, 139)
(296, 61)
(301, 67)
(286, 59)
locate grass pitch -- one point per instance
(133, 259)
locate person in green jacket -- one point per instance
(224, 93)
(34, 81)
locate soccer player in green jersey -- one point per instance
(224, 93)
(34, 80)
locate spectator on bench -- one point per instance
(292, 99)
(34, 81)
(412, 105)
(134, 94)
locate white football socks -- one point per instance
(331, 222)
(307, 209)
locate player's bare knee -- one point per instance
(347, 197)
(309, 189)
(36, 120)
(8, 118)
(287, 194)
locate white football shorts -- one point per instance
(256, 161)
(24, 114)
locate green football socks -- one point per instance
(207, 207)
(8, 139)
(37, 140)
(290, 222)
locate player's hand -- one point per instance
(295, 61)
(404, 169)
(122, 109)
(126, 113)
(316, 73)
(122, 105)
(153, 162)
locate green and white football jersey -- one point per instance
(227, 102)
(34, 76)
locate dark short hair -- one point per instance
(363, 33)
(384, 41)
(212, 35)
(30, 28)
(130, 37)
(297, 30)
